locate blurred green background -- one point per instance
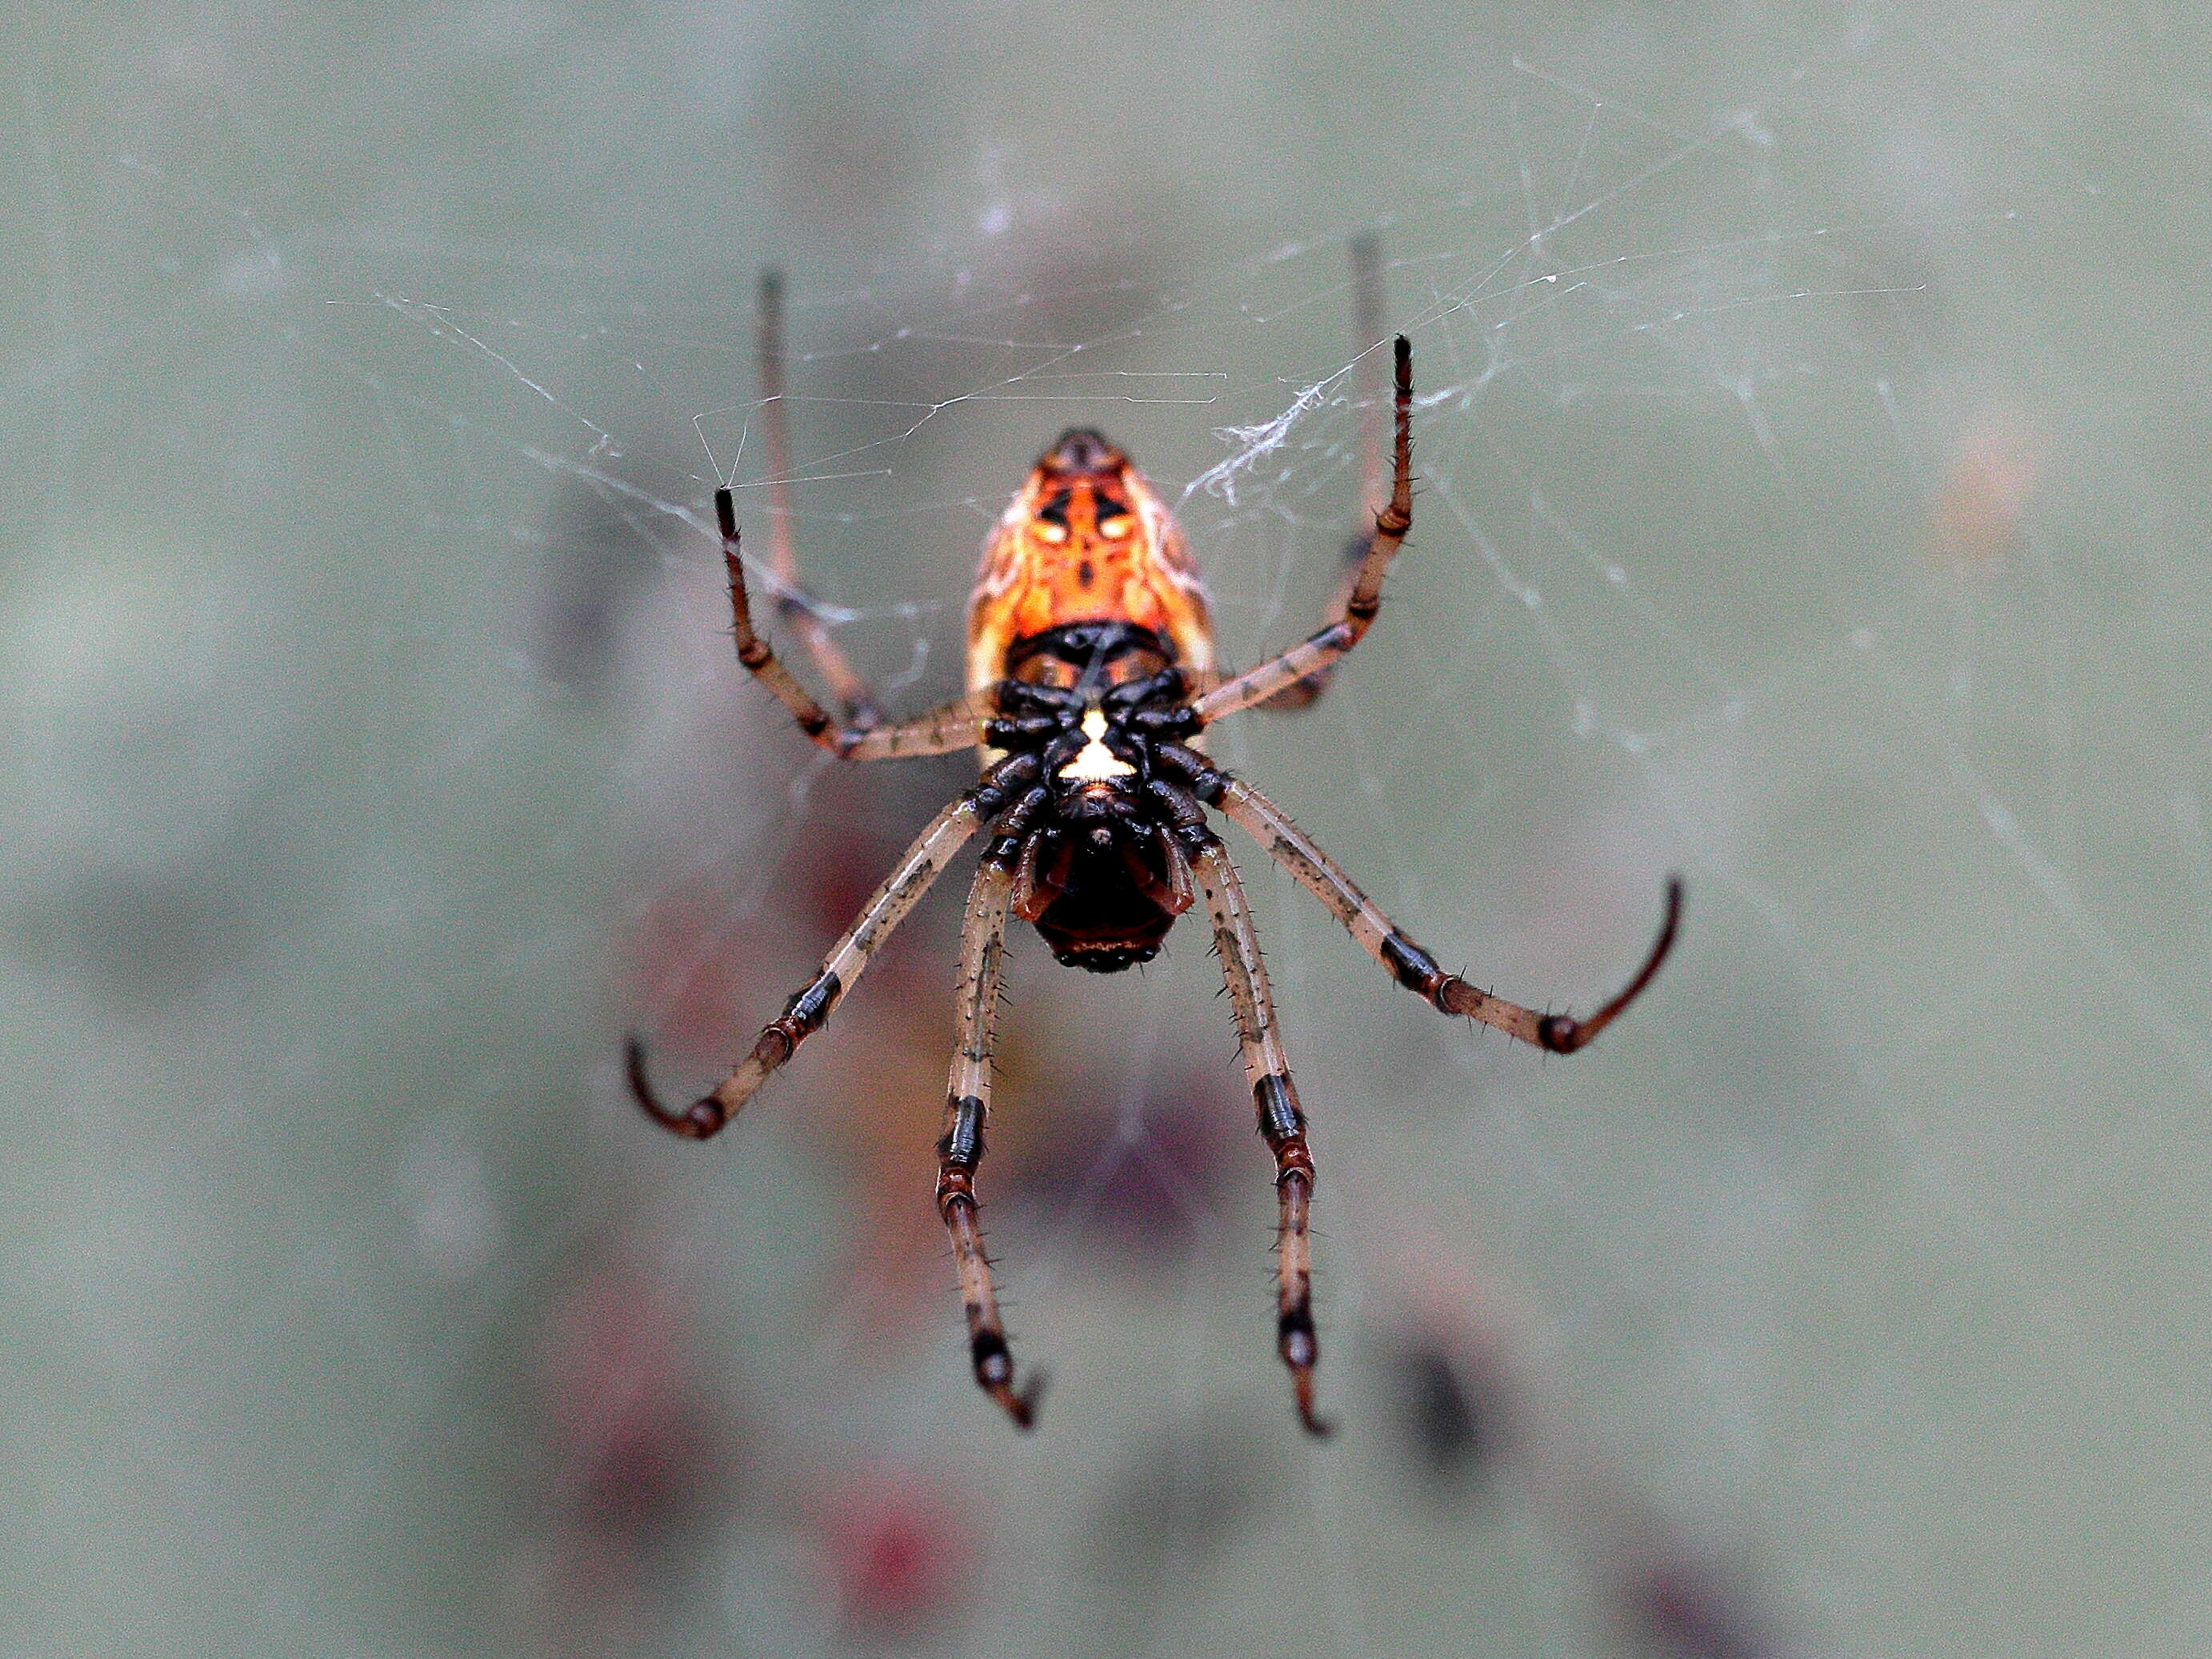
(1813, 477)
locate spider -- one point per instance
(1091, 680)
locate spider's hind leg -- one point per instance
(960, 1151)
(1281, 1123)
(920, 865)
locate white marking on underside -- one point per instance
(1096, 763)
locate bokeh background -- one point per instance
(1814, 477)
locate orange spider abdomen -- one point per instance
(1085, 540)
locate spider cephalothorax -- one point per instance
(1091, 682)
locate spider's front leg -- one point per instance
(957, 725)
(967, 1106)
(1366, 251)
(812, 1003)
(857, 706)
(1311, 661)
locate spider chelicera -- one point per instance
(1091, 683)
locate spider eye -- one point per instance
(1051, 521)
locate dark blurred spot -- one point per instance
(1143, 1195)
(636, 1449)
(1447, 1420)
(1686, 1609)
(1182, 1498)
(597, 563)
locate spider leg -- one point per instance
(918, 867)
(800, 610)
(1412, 966)
(960, 1151)
(1366, 251)
(1321, 651)
(1281, 1123)
(956, 726)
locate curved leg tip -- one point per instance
(695, 1122)
(1314, 1425)
(1022, 1406)
(994, 1375)
(1301, 1351)
(1562, 1033)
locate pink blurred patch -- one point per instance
(1999, 460)
(902, 1547)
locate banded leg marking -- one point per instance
(812, 1004)
(960, 1150)
(1410, 965)
(1282, 1124)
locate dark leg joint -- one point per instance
(1209, 783)
(1416, 969)
(807, 1009)
(1280, 1120)
(993, 1359)
(961, 1146)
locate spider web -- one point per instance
(1806, 463)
